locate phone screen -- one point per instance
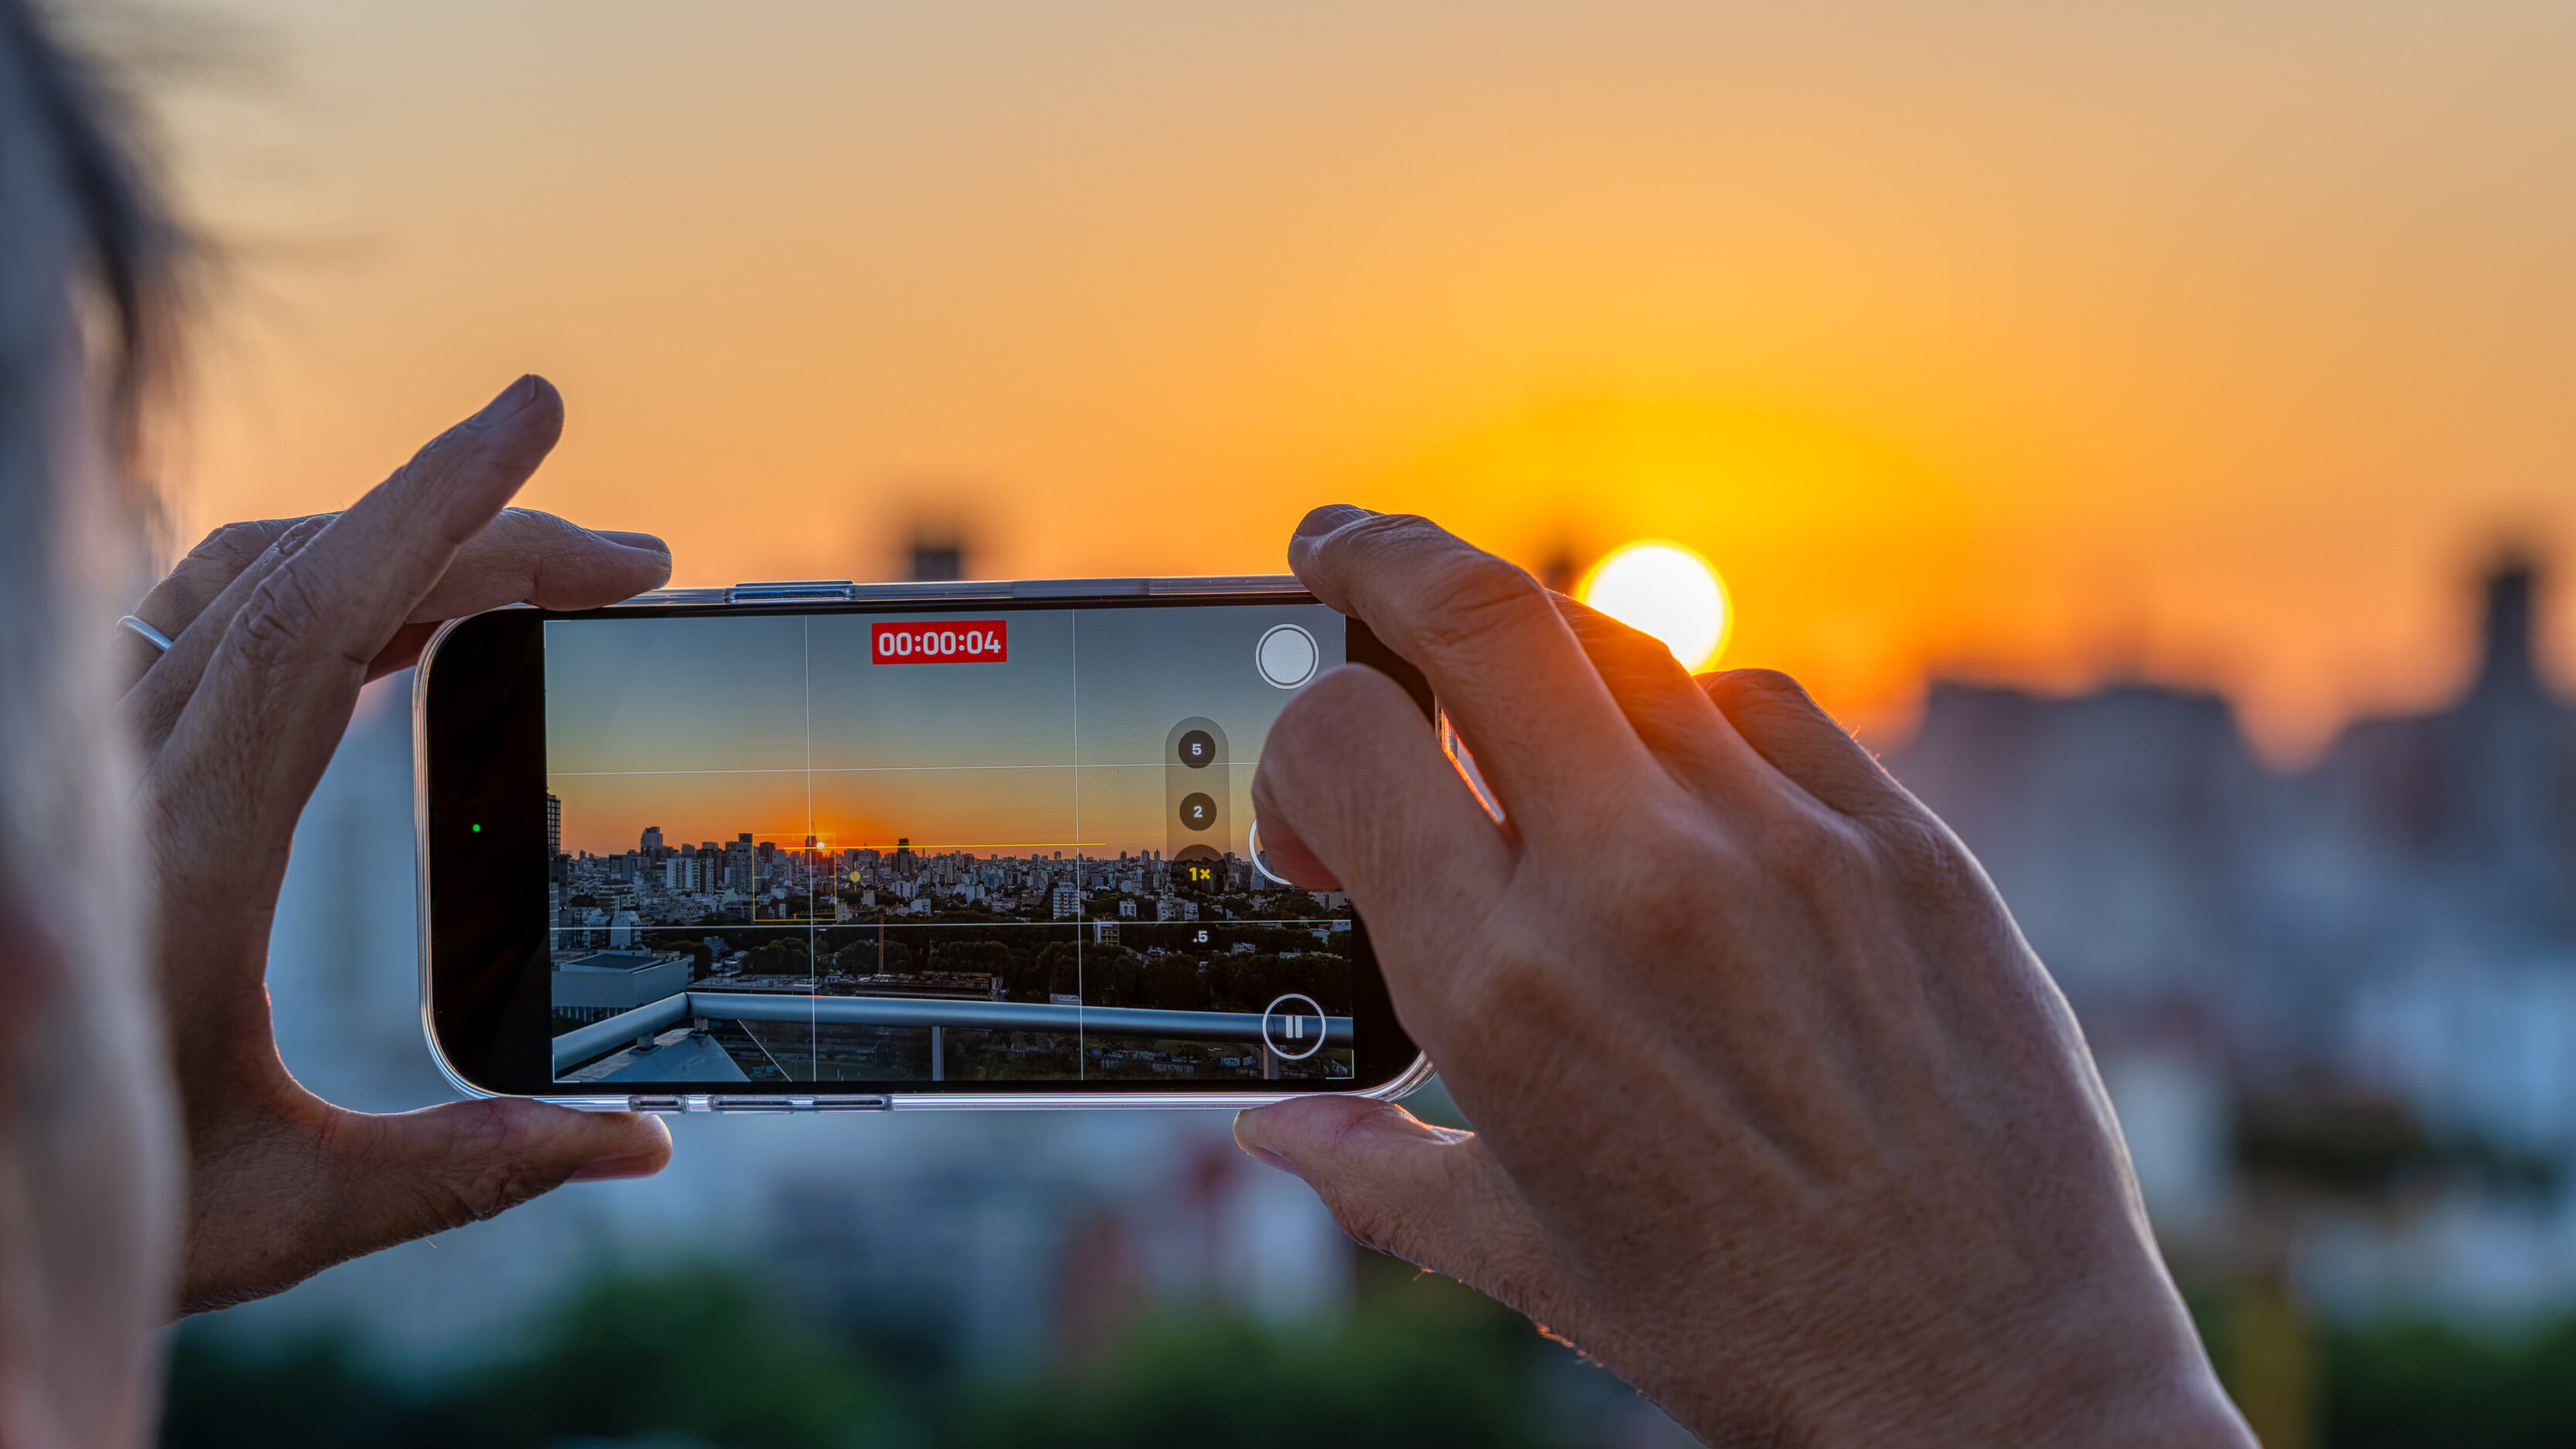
(1006, 845)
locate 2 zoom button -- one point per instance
(1198, 811)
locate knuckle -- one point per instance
(1762, 692)
(1382, 532)
(1514, 996)
(500, 1188)
(1922, 853)
(540, 526)
(499, 1176)
(1470, 596)
(523, 532)
(456, 1202)
(416, 487)
(234, 545)
(304, 532)
(1619, 650)
(278, 627)
(439, 452)
(1811, 844)
(1666, 901)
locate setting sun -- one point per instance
(1667, 591)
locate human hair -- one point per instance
(87, 1154)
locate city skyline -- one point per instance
(1119, 808)
(687, 843)
(647, 724)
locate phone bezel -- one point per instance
(840, 597)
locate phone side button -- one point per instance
(853, 1104)
(836, 591)
(1078, 588)
(653, 1104)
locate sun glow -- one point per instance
(1665, 590)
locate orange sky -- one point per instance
(2210, 341)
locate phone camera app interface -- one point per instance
(921, 850)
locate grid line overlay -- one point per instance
(860, 808)
(813, 974)
(1081, 987)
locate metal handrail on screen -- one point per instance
(583, 1043)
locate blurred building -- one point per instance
(2393, 927)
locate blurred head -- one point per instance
(87, 1154)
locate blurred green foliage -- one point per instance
(1433, 1368)
(695, 1355)
(700, 1359)
(2402, 1385)
(691, 1359)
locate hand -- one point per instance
(1779, 1117)
(276, 625)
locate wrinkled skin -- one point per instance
(277, 625)
(1779, 1118)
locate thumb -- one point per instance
(273, 1205)
(1432, 1196)
(423, 1172)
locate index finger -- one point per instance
(276, 696)
(1487, 636)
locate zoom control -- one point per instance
(1198, 779)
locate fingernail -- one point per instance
(647, 542)
(1247, 1134)
(608, 1169)
(514, 397)
(1275, 1160)
(1324, 520)
(294, 539)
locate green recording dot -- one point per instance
(478, 829)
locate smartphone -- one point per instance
(833, 847)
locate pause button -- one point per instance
(1293, 1027)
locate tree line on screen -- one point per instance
(1035, 965)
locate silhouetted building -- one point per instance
(2477, 801)
(2374, 916)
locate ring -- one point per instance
(150, 635)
